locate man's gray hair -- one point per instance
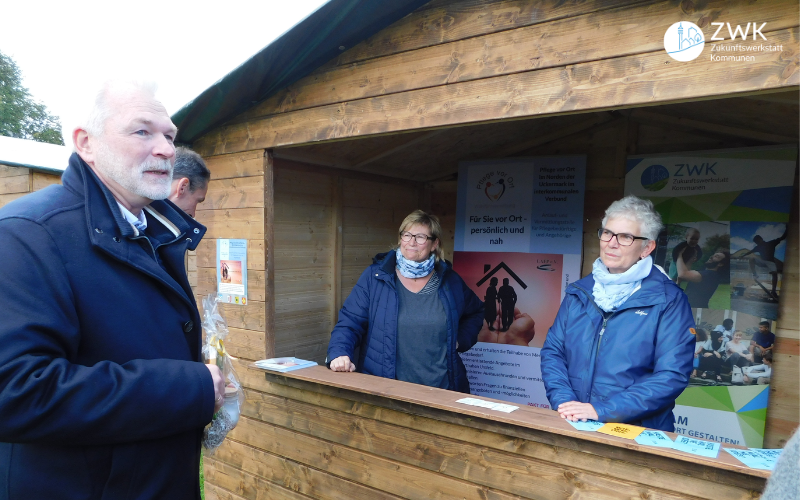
(637, 210)
(101, 109)
(190, 165)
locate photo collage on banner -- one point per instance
(518, 243)
(726, 215)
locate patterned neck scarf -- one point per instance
(612, 290)
(411, 269)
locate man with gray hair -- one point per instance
(189, 180)
(102, 390)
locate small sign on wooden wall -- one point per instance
(232, 271)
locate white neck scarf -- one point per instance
(612, 290)
(411, 269)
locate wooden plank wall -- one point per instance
(299, 440)
(304, 262)
(467, 61)
(16, 182)
(328, 225)
(606, 147)
(234, 208)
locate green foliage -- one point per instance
(202, 480)
(20, 115)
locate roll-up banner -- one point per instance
(726, 215)
(518, 243)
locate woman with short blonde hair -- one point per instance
(409, 314)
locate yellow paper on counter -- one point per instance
(621, 430)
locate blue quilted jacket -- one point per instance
(631, 364)
(372, 309)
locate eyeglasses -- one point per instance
(624, 239)
(421, 238)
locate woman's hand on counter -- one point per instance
(574, 411)
(343, 364)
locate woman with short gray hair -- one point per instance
(622, 345)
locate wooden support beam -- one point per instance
(269, 254)
(300, 166)
(301, 156)
(644, 116)
(791, 98)
(336, 248)
(396, 149)
(513, 148)
(617, 83)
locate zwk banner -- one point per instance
(518, 242)
(726, 215)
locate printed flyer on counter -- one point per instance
(726, 215)
(518, 243)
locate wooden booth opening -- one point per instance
(337, 204)
(318, 175)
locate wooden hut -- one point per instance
(315, 163)
(27, 166)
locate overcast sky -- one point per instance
(67, 49)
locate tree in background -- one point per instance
(20, 115)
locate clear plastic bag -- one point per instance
(215, 331)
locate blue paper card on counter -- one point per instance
(654, 438)
(696, 447)
(752, 458)
(772, 454)
(589, 425)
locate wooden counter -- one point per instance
(313, 433)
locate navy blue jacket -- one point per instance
(372, 308)
(101, 391)
(642, 364)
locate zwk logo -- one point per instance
(655, 177)
(738, 31)
(495, 183)
(684, 41)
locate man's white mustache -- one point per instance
(156, 166)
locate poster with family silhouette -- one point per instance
(726, 217)
(518, 243)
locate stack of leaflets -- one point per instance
(283, 364)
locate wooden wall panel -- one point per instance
(5, 199)
(234, 209)
(328, 443)
(11, 171)
(304, 263)
(514, 50)
(626, 81)
(244, 164)
(328, 224)
(783, 413)
(238, 192)
(40, 180)
(371, 216)
(16, 182)
(239, 223)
